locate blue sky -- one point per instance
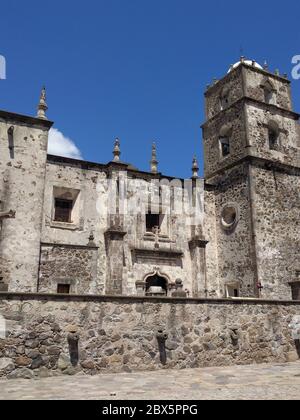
(136, 69)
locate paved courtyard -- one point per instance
(277, 381)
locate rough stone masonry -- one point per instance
(59, 235)
(64, 231)
(49, 335)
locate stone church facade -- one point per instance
(59, 235)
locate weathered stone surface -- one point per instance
(22, 361)
(23, 373)
(63, 362)
(88, 364)
(37, 362)
(225, 333)
(54, 350)
(6, 365)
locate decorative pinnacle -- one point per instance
(154, 161)
(42, 106)
(195, 168)
(242, 59)
(117, 151)
(277, 72)
(266, 66)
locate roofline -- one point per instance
(247, 66)
(87, 165)
(25, 119)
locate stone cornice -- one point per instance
(114, 233)
(269, 164)
(247, 100)
(198, 242)
(72, 246)
(141, 299)
(24, 119)
(109, 168)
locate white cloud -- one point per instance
(59, 145)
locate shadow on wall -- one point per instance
(297, 344)
(73, 340)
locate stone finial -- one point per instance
(242, 59)
(266, 66)
(91, 239)
(277, 72)
(195, 168)
(117, 151)
(42, 106)
(154, 161)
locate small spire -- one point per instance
(277, 72)
(117, 151)
(266, 66)
(42, 106)
(242, 59)
(154, 161)
(195, 168)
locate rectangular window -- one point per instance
(295, 291)
(225, 146)
(232, 291)
(63, 210)
(152, 221)
(63, 289)
(273, 139)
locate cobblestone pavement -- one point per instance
(276, 381)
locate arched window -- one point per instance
(269, 93)
(273, 135)
(224, 141)
(224, 98)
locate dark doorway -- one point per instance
(157, 281)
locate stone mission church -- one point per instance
(53, 239)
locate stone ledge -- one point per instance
(143, 299)
(33, 121)
(72, 246)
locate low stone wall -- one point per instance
(53, 334)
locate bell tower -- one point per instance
(252, 161)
